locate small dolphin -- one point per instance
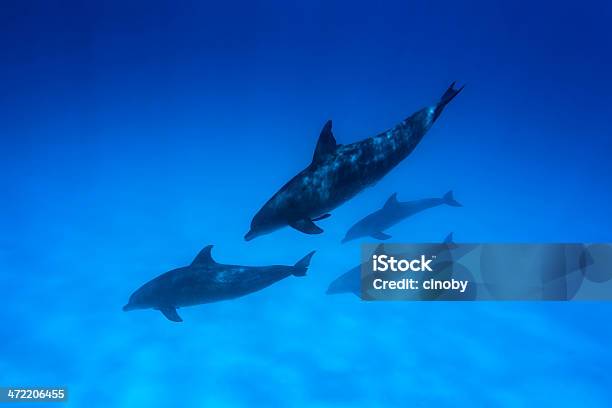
(391, 213)
(338, 172)
(206, 281)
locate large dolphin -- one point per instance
(206, 281)
(391, 213)
(338, 172)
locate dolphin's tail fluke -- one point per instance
(450, 200)
(302, 265)
(448, 96)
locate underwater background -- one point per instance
(135, 133)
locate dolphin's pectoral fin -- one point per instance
(171, 314)
(306, 226)
(321, 217)
(380, 249)
(380, 235)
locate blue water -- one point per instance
(135, 134)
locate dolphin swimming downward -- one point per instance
(206, 281)
(338, 172)
(393, 212)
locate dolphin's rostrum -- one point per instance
(338, 172)
(206, 281)
(374, 225)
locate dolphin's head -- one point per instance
(346, 239)
(141, 299)
(351, 234)
(336, 287)
(348, 282)
(264, 222)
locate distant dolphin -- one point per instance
(206, 281)
(338, 172)
(391, 213)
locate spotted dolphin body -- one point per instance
(206, 281)
(338, 172)
(374, 225)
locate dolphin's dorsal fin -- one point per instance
(391, 201)
(449, 242)
(326, 144)
(449, 239)
(380, 249)
(204, 257)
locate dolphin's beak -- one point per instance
(250, 235)
(128, 307)
(345, 240)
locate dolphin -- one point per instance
(391, 213)
(206, 281)
(338, 172)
